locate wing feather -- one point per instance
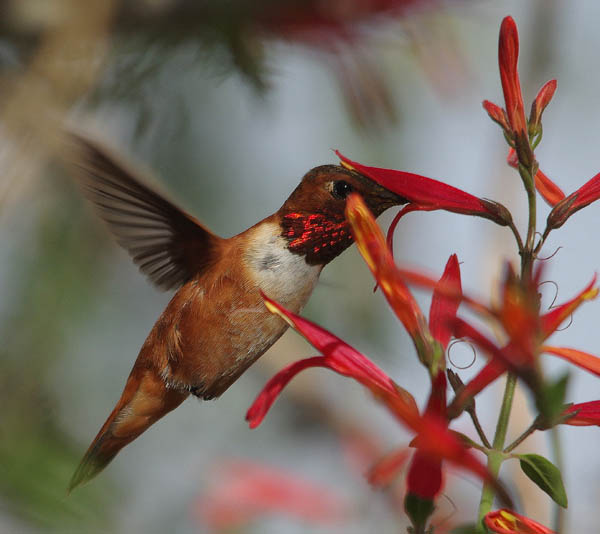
(169, 245)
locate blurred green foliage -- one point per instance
(53, 295)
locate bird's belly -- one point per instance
(230, 343)
(224, 327)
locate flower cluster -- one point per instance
(517, 350)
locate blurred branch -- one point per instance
(35, 102)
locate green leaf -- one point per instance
(546, 475)
(551, 399)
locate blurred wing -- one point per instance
(169, 245)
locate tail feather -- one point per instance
(145, 399)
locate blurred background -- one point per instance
(230, 103)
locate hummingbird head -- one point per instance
(313, 217)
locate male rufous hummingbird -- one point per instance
(216, 324)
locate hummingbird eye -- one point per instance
(340, 189)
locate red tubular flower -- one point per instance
(425, 476)
(549, 191)
(518, 312)
(509, 522)
(425, 479)
(339, 357)
(443, 307)
(428, 194)
(586, 414)
(508, 55)
(585, 195)
(542, 99)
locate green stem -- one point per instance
(496, 457)
(473, 414)
(522, 437)
(559, 511)
(517, 236)
(542, 240)
(527, 256)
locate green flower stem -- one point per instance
(473, 414)
(527, 255)
(559, 511)
(496, 457)
(517, 236)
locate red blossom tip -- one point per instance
(585, 195)
(497, 114)
(542, 99)
(509, 522)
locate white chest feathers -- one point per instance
(282, 275)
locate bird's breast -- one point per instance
(279, 273)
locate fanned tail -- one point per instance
(144, 401)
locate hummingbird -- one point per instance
(216, 324)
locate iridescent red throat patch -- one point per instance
(318, 237)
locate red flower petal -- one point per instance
(386, 469)
(372, 245)
(427, 193)
(553, 319)
(586, 361)
(509, 522)
(243, 491)
(265, 399)
(443, 309)
(550, 192)
(510, 355)
(587, 414)
(508, 55)
(519, 311)
(437, 442)
(405, 209)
